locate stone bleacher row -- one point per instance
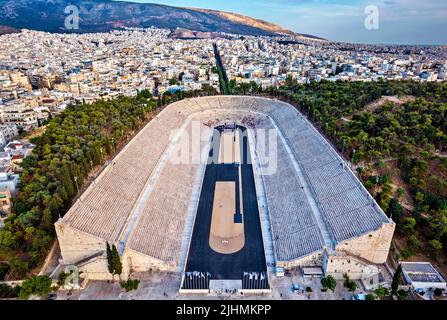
(106, 206)
(294, 229)
(161, 224)
(162, 221)
(347, 209)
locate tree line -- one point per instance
(391, 144)
(76, 141)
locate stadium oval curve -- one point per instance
(297, 228)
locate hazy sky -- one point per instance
(400, 21)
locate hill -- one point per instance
(106, 15)
(257, 23)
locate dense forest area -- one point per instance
(76, 141)
(398, 149)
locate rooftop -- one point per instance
(422, 272)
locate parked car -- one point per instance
(52, 296)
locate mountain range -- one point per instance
(106, 15)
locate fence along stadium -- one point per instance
(312, 210)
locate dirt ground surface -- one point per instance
(375, 105)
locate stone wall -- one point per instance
(76, 245)
(337, 265)
(96, 269)
(137, 262)
(373, 246)
(311, 260)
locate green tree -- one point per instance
(130, 284)
(400, 192)
(7, 292)
(382, 292)
(349, 284)
(435, 247)
(408, 225)
(144, 94)
(113, 260)
(37, 285)
(413, 243)
(329, 283)
(116, 261)
(109, 254)
(438, 224)
(62, 277)
(402, 295)
(394, 210)
(397, 278)
(18, 266)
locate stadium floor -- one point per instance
(251, 257)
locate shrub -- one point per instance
(7, 292)
(435, 247)
(414, 243)
(130, 284)
(402, 295)
(370, 297)
(408, 225)
(61, 278)
(349, 284)
(406, 253)
(382, 292)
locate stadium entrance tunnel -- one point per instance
(227, 243)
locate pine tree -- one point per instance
(109, 258)
(67, 180)
(107, 145)
(116, 261)
(396, 278)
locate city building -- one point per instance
(422, 276)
